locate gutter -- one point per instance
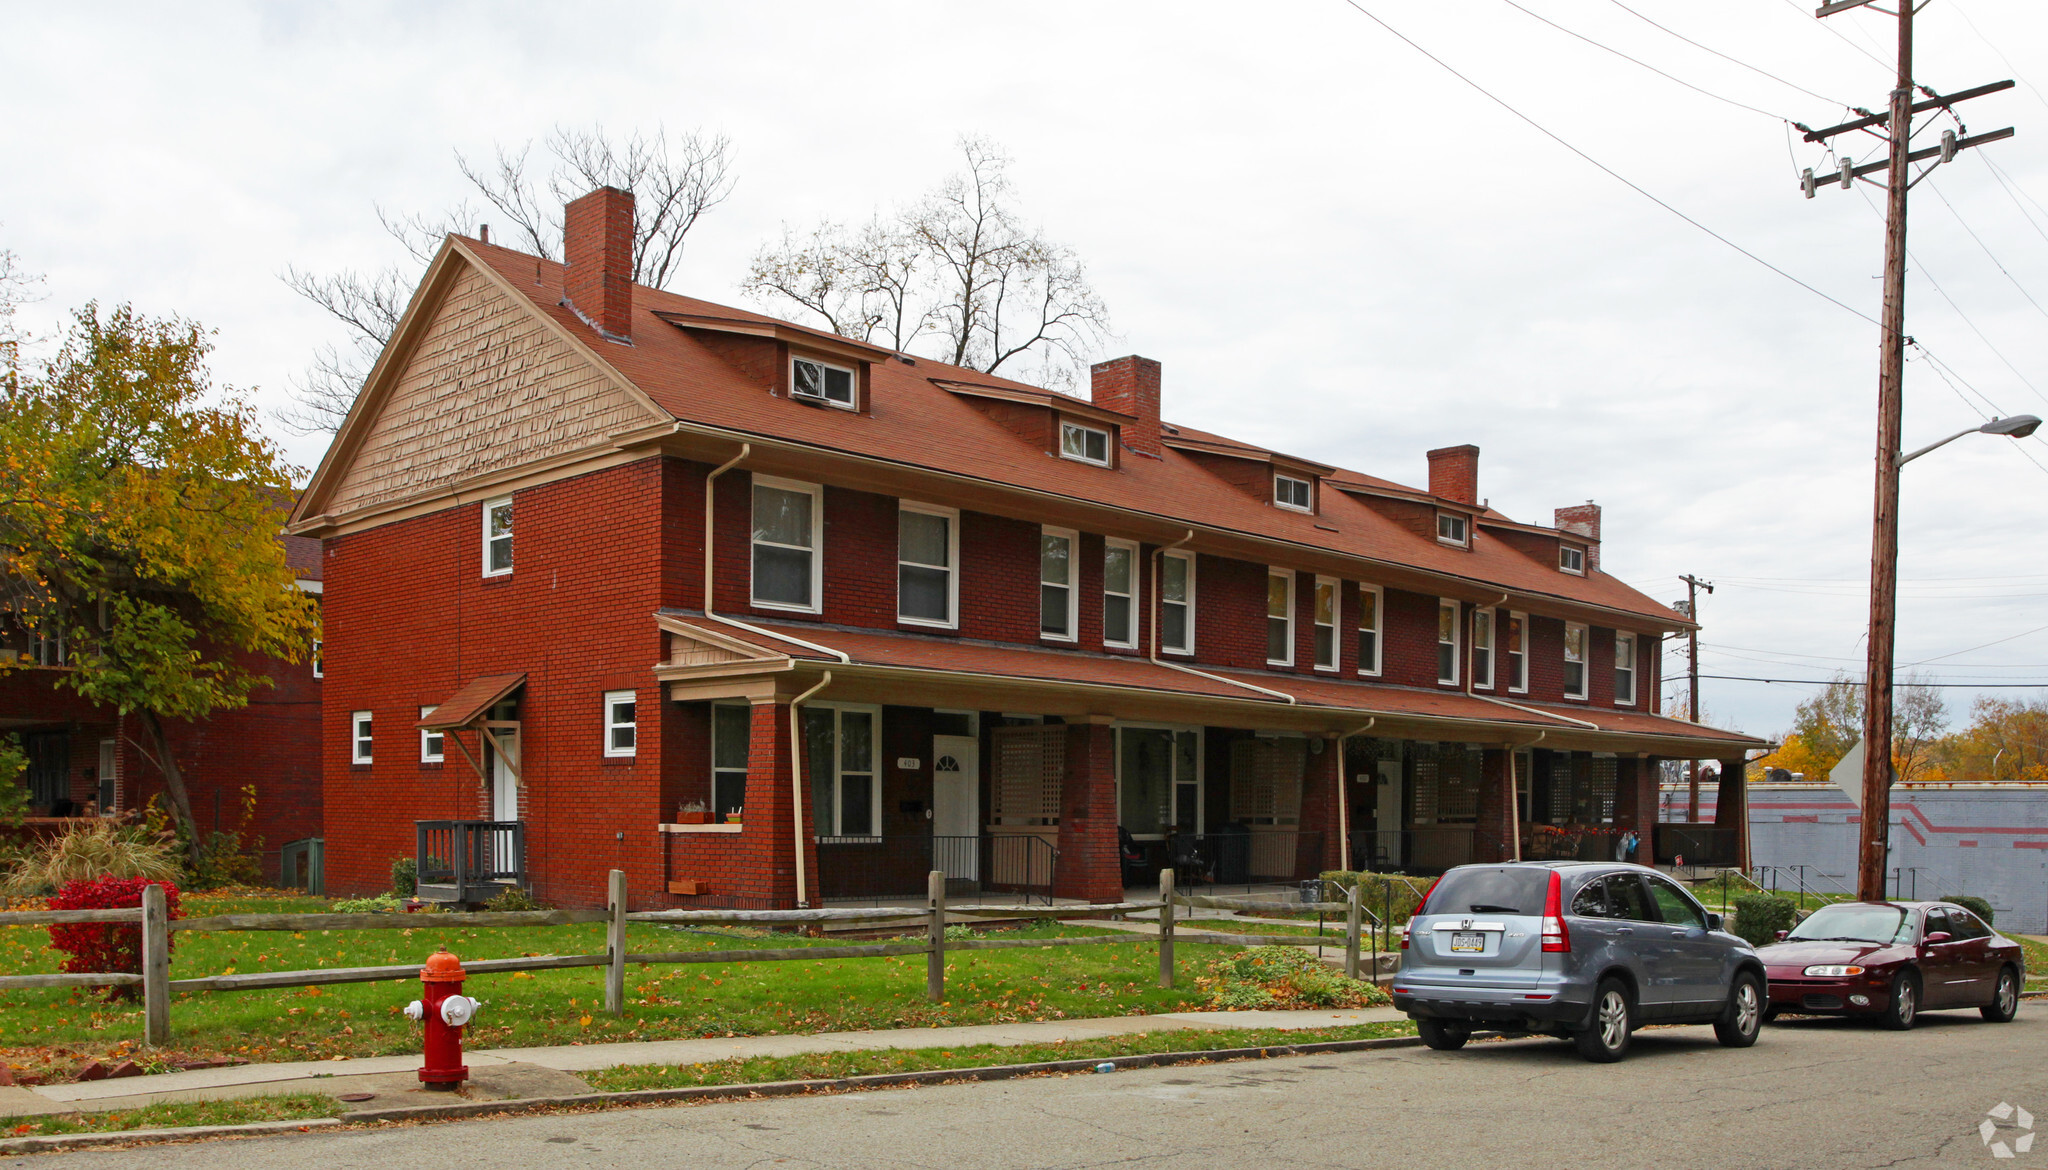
(1159, 604)
(709, 560)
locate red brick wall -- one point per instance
(1088, 864)
(597, 245)
(1454, 473)
(1130, 385)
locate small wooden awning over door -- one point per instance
(472, 701)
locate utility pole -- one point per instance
(1692, 688)
(1884, 541)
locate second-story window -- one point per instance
(1279, 617)
(433, 745)
(1451, 528)
(927, 549)
(1119, 593)
(1571, 558)
(497, 537)
(1326, 623)
(1574, 661)
(1369, 602)
(621, 728)
(1482, 648)
(1293, 492)
(821, 382)
(1084, 444)
(1447, 642)
(1177, 603)
(1517, 634)
(787, 523)
(1056, 599)
(1624, 669)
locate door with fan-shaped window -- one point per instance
(956, 806)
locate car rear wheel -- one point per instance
(1444, 1035)
(1905, 1003)
(1743, 1018)
(2005, 1002)
(1607, 1040)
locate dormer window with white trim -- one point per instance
(1452, 528)
(1293, 493)
(822, 382)
(1084, 444)
(1571, 559)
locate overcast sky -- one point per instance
(1335, 247)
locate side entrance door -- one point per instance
(956, 806)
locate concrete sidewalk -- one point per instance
(514, 1073)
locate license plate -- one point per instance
(1468, 940)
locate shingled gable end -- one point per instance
(950, 588)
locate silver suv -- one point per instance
(1587, 950)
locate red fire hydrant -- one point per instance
(444, 1010)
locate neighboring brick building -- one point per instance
(84, 760)
(1006, 622)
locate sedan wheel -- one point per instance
(1744, 1016)
(1607, 1040)
(1905, 1003)
(2005, 1002)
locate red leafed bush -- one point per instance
(106, 946)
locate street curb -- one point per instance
(994, 1072)
(74, 1141)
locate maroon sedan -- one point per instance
(1893, 960)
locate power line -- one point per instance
(2014, 195)
(1993, 46)
(1838, 35)
(1828, 682)
(1987, 249)
(1725, 57)
(1646, 65)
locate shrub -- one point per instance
(1972, 903)
(1385, 895)
(100, 849)
(1759, 917)
(405, 877)
(1282, 977)
(106, 946)
(513, 898)
(378, 904)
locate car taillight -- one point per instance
(1418, 909)
(1555, 936)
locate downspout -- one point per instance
(1158, 606)
(709, 496)
(1344, 804)
(796, 787)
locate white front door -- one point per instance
(504, 786)
(956, 806)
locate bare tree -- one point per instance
(17, 288)
(674, 181)
(958, 271)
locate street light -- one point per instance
(1877, 690)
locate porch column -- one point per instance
(769, 835)
(1731, 806)
(1316, 848)
(1088, 867)
(1635, 801)
(1493, 835)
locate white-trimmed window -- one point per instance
(820, 381)
(433, 746)
(927, 560)
(1177, 602)
(621, 728)
(1571, 559)
(1119, 593)
(1517, 651)
(842, 747)
(1482, 649)
(732, 733)
(1624, 669)
(319, 663)
(1447, 624)
(1370, 602)
(1293, 492)
(1057, 608)
(1325, 617)
(1279, 617)
(1084, 444)
(1574, 661)
(359, 737)
(498, 536)
(789, 530)
(1452, 528)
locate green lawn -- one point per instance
(52, 1030)
(289, 1107)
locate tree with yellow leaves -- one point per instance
(1827, 725)
(139, 516)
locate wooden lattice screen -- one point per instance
(1030, 771)
(1265, 779)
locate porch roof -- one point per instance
(471, 700)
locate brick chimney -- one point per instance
(1454, 473)
(1130, 385)
(597, 246)
(1584, 520)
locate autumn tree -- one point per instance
(958, 276)
(675, 180)
(139, 516)
(1827, 725)
(2006, 740)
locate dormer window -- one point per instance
(821, 382)
(1084, 444)
(1571, 559)
(1293, 493)
(1452, 528)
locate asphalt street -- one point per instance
(1810, 1095)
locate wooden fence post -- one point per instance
(1166, 928)
(156, 968)
(615, 943)
(935, 968)
(1352, 919)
